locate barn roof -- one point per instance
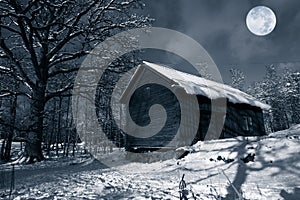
(198, 86)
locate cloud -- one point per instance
(219, 26)
(207, 21)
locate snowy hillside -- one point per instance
(258, 168)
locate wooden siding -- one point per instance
(180, 128)
(179, 131)
(234, 120)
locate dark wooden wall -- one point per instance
(139, 106)
(182, 130)
(234, 124)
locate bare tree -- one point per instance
(45, 39)
(237, 78)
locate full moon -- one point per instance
(261, 20)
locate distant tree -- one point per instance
(8, 99)
(272, 90)
(256, 89)
(237, 78)
(45, 39)
(291, 93)
(204, 71)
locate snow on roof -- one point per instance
(200, 86)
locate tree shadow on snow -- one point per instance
(288, 165)
(290, 196)
(241, 174)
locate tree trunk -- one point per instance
(52, 130)
(2, 150)
(58, 134)
(33, 147)
(66, 140)
(7, 142)
(13, 110)
(7, 150)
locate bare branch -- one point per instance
(6, 93)
(10, 55)
(68, 57)
(71, 33)
(59, 92)
(9, 28)
(63, 71)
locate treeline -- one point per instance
(59, 134)
(280, 90)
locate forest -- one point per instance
(280, 90)
(42, 44)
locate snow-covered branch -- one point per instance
(59, 92)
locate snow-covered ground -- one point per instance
(257, 167)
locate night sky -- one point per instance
(219, 26)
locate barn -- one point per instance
(167, 108)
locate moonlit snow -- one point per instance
(272, 173)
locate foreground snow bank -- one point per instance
(254, 167)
